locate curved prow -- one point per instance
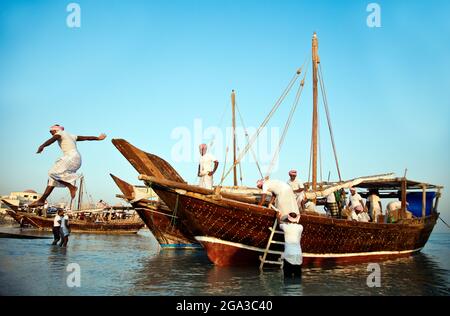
(146, 163)
(126, 188)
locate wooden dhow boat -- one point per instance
(164, 225)
(235, 230)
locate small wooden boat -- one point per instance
(114, 226)
(164, 225)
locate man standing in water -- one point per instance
(292, 255)
(205, 168)
(63, 173)
(65, 229)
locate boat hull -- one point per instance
(236, 234)
(76, 226)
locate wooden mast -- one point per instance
(315, 62)
(80, 192)
(233, 110)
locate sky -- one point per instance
(159, 74)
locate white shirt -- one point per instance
(331, 198)
(295, 185)
(363, 217)
(56, 221)
(275, 186)
(67, 142)
(292, 249)
(392, 206)
(374, 202)
(354, 200)
(206, 164)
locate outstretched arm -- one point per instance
(48, 143)
(83, 138)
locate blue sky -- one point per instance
(140, 69)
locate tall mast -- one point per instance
(315, 62)
(233, 110)
(80, 192)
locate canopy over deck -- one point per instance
(395, 184)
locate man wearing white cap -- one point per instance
(206, 169)
(292, 255)
(356, 205)
(282, 195)
(298, 188)
(63, 173)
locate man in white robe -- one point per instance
(282, 195)
(298, 188)
(207, 167)
(63, 173)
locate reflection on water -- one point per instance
(133, 265)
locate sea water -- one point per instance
(135, 265)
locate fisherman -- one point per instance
(373, 204)
(63, 173)
(355, 203)
(331, 205)
(205, 168)
(282, 195)
(298, 188)
(57, 227)
(292, 255)
(65, 230)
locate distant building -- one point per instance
(19, 198)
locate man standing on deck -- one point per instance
(282, 195)
(298, 188)
(63, 173)
(205, 167)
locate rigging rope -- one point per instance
(266, 120)
(248, 140)
(288, 123)
(325, 102)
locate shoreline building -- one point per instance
(19, 198)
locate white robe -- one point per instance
(286, 201)
(65, 168)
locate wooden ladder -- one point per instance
(263, 258)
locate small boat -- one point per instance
(164, 225)
(235, 230)
(91, 223)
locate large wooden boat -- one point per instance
(115, 226)
(235, 230)
(164, 225)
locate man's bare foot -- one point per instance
(37, 203)
(73, 191)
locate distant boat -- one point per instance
(235, 230)
(129, 225)
(165, 226)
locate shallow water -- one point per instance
(134, 265)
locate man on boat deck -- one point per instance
(63, 173)
(355, 203)
(282, 195)
(298, 188)
(205, 167)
